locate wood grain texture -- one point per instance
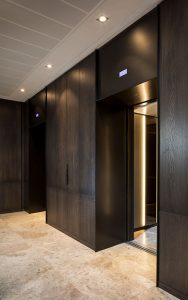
(87, 142)
(135, 49)
(51, 155)
(71, 162)
(110, 175)
(87, 220)
(72, 127)
(72, 148)
(61, 155)
(174, 107)
(173, 253)
(52, 198)
(173, 191)
(37, 105)
(87, 127)
(62, 208)
(10, 156)
(25, 155)
(61, 130)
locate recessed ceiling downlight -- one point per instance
(49, 66)
(102, 19)
(22, 90)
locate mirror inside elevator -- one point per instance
(145, 175)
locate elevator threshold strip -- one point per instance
(148, 250)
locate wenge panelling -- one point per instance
(133, 50)
(51, 155)
(10, 156)
(71, 162)
(37, 109)
(87, 143)
(25, 155)
(61, 151)
(173, 242)
(110, 175)
(173, 191)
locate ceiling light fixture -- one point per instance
(102, 19)
(49, 66)
(144, 104)
(22, 90)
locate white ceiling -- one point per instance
(34, 33)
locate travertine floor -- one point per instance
(39, 262)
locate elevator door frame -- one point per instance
(130, 174)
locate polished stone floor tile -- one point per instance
(39, 262)
(147, 238)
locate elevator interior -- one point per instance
(145, 175)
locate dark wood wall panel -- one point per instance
(51, 196)
(87, 220)
(25, 155)
(61, 131)
(37, 109)
(87, 142)
(51, 136)
(72, 148)
(62, 209)
(110, 175)
(87, 133)
(71, 162)
(10, 156)
(61, 155)
(51, 155)
(72, 126)
(135, 49)
(173, 244)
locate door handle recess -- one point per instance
(67, 174)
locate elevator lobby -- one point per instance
(93, 149)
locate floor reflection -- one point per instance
(147, 239)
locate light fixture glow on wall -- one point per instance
(143, 185)
(22, 90)
(102, 19)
